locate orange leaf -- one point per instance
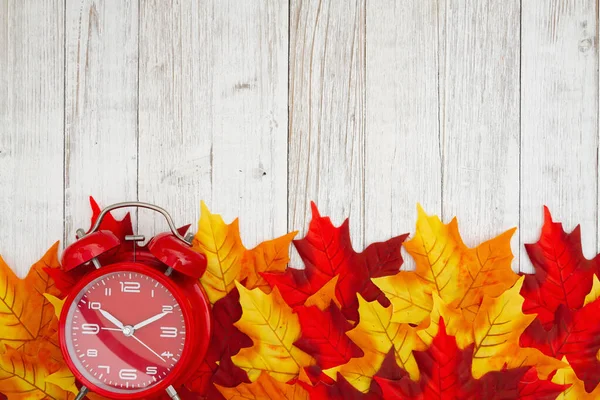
(324, 296)
(459, 274)
(264, 388)
(23, 378)
(269, 256)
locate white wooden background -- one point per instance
(483, 109)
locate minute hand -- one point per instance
(149, 321)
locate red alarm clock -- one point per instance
(137, 321)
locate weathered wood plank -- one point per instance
(326, 139)
(479, 114)
(101, 107)
(559, 124)
(31, 129)
(213, 112)
(403, 159)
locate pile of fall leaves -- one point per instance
(351, 325)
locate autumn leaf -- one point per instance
(23, 378)
(410, 298)
(376, 334)
(458, 274)
(25, 315)
(264, 388)
(446, 374)
(576, 336)
(594, 293)
(497, 328)
(456, 324)
(273, 328)
(562, 274)
(340, 389)
(327, 252)
(269, 256)
(576, 390)
(228, 260)
(324, 296)
(324, 336)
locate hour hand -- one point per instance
(149, 320)
(112, 319)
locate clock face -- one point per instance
(125, 332)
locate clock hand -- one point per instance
(111, 329)
(146, 346)
(111, 318)
(149, 321)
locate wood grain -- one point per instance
(479, 117)
(326, 130)
(213, 112)
(31, 129)
(403, 158)
(101, 107)
(559, 124)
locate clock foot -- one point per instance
(82, 392)
(172, 393)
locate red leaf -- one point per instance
(120, 228)
(339, 390)
(326, 252)
(562, 274)
(446, 374)
(324, 336)
(576, 335)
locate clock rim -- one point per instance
(186, 308)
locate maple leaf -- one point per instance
(576, 336)
(324, 336)
(376, 334)
(446, 374)
(576, 390)
(594, 294)
(23, 378)
(410, 298)
(562, 274)
(327, 252)
(228, 260)
(273, 328)
(458, 274)
(120, 228)
(324, 296)
(25, 315)
(456, 324)
(265, 388)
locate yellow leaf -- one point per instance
(56, 303)
(459, 274)
(410, 298)
(324, 296)
(64, 379)
(566, 376)
(23, 378)
(456, 323)
(273, 328)
(497, 328)
(264, 388)
(20, 309)
(594, 293)
(376, 335)
(223, 248)
(269, 256)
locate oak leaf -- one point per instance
(562, 274)
(376, 335)
(264, 388)
(460, 275)
(273, 328)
